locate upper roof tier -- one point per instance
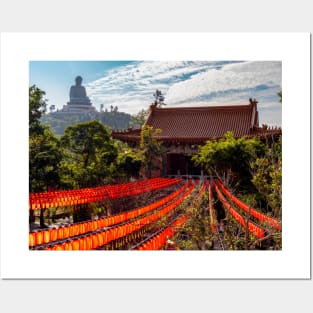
(198, 124)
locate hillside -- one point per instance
(114, 119)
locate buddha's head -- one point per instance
(78, 80)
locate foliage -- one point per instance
(196, 233)
(44, 153)
(280, 95)
(139, 119)
(150, 149)
(113, 119)
(159, 98)
(44, 159)
(230, 157)
(267, 176)
(128, 164)
(89, 155)
(37, 107)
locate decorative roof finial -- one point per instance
(253, 102)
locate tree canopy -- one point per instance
(267, 176)
(151, 148)
(44, 150)
(229, 157)
(139, 119)
(37, 107)
(280, 95)
(89, 155)
(44, 159)
(114, 119)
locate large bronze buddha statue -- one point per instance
(78, 93)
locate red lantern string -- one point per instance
(252, 227)
(255, 213)
(86, 195)
(159, 240)
(212, 212)
(119, 231)
(85, 227)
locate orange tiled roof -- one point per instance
(198, 124)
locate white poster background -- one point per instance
(293, 49)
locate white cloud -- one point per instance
(190, 83)
(231, 77)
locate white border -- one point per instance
(293, 49)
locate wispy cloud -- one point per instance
(190, 83)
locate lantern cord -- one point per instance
(220, 240)
(155, 233)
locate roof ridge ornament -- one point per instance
(253, 102)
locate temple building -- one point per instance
(79, 102)
(185, 128)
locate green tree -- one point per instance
(196, 233)
(280, 95)
(37, 107)
(151, 149)
(159, 98)
(139, 119)
(58, 122)
(44, 150)
(44, 159)
(229, 158)
(128, 164)
(267, 176)
(89, 155)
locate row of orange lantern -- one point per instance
(76, 192)
(201, 192)
(158, 241)
(86, 195)
(54, 234)
(91, 242)
(96, 240)
(252, 227)
(198, 197)
(212, 212)
(255, 213)
(97, 194)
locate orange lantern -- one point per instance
(82, 227)
(68, 245)
(66, 232)
(76, 229)
(46, 236)
(100, 239)
(82, 243)
(94, 225)
(39, 238)
(32, 239)
(75, 244)
(53, 234)
(88, 243)
(71, 230)
(95, 242)
(60, 233)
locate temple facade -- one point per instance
(185, 128)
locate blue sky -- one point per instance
(130, 84)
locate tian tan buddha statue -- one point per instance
(78, 94)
